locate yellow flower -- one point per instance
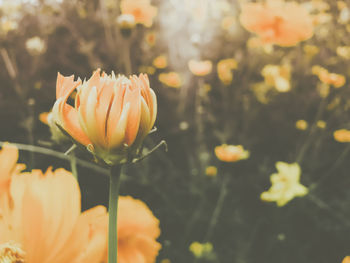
(321, 124)
(301, 125)
(344, 52)
(211, 171)
(224, 69)
(342, 135)
(201, 67)
(200, 249)
(336, 80)
(231, 153)
(171, 79)
(277, 76)
(160, 62)
(142, 10)
(285, 184)
(311, 50)
(35, 46)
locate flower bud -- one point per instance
(111, 116)
(126, 23)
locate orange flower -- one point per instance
(138, 230)
(211, 171)
(112, 115)
(142, 10)
(334, 79)
(342, 135)
(200, 68)
(346, 259)
(231, 153)
(224, 69)
(150, 38)
(277, 22)
(40, 214)
(171, 79)
(160, 62)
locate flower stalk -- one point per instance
(114, 183)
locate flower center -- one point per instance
(11, 253)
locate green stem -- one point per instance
(217, 211)
(73, 165)
(46, 151)
(114, 182)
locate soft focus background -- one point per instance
(274, 105)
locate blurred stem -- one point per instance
(114, 183)
(27, 120)
(309, 139)
(217, 211)
(11, 71)
(126, 57)
(326, 207)
(200, 139)
(107, 28)
(340, 159)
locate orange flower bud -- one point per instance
(111, 116)
(231, 153)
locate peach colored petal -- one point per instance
(8, 161)
(71, 125)
(65, 85)
(46, 229)
(132, 127)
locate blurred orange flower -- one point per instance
(336, 80)
(211, 171)
(138, 230)
(231, 153)
(224, 69)
(346, 259)
(112, 115)
(171, 79)
(142, 10)
(40, 213)
(277, 22)
(160, 62)
(200, 68)
(342, 135)
(150, 38)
